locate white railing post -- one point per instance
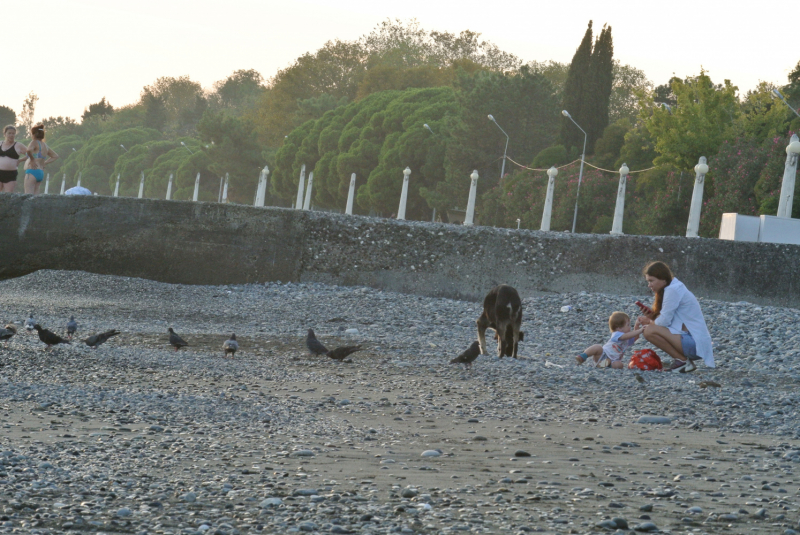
(693, 226)
(225, 189)
(196, 194)
(473, 189)
(350, 195)
(789, 176)
(300, 185)
(63, 183)
(307, 202)
(261, 191)
(547, 213)
(401, 211)
(79, 179)
(169, 188)
(619, 209)
(141, 186)
(47, 184)
(116, 188)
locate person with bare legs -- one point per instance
(622, 337)
(675, 324)
(10, 153)
(39, 155)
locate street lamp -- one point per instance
(778, 94)
(566, 114)
(187, 148)
(123, 147)
(505, 151)
(428, 128)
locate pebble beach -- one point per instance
(135, 437)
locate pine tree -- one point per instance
(600, 87)
(575, 88)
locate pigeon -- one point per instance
(48, 337)
(72, 326)
(230, 346)
(314, 345)
(707, 383)
(468, 356)
(176, 341)
(6, 333)
(97, 339)
(639, 378)
(30, 324)
(341, 352)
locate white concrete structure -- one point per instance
(351, 195)
(300, 185)
(169, 188)
(697, 198)
(789, 175)
(773, 229)
(63, 183)
(225, 188)
(469, 219)
(47, 184)
(261, 192)
(547, 213)
(309, 184)
(196, 194)
(738, 227)
(79, 180)
(401, 211)
(116, 188)
(141, 186)
(619, 209)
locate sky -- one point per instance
(78, 51)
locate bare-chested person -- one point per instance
(11, 152)
(39, 155)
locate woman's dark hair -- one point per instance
(37, 131)
(662, 272)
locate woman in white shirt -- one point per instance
(676, 324)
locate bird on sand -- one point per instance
(230, 346)
(72, 326)
(707, 383)
(176, 341)
(316, 348)
(7, 332)
(49, 337)
(468, 356)
(97, 339)
(639, 378)
(30, 324)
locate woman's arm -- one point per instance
(22, 150)
(52, 156)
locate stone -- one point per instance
(431, 453)
(190, 497)
(124, 511)
(521, 453)
(270, 502)
(653, 420)
(645, 527)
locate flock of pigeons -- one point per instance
(50, 339)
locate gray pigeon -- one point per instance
(468, 356)
(72, 326)
(230, 346)
(6, 333)
(97, 339)
(340, 353)
(314, 345)
(49, 337)
(30, 324)
(176, 341)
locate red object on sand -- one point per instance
(645, 359)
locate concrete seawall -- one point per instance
(209, 243)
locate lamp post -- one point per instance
(619, 209)
(428, 128)
(697, 198)
(401, 211)
(779, 95)
(566, 114)
(187, 148)
(789, 176)
(505, 151)
(547, 214)
(473, 188)
(123, 147)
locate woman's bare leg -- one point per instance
(7, 187)
(662, 338)
(30, 183)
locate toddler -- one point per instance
(622, 338)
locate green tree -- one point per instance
(608, 147)
(26, 118)
(602, 80)
(7, 116)
(623, 102)
(101, 110)
(239, 92)
(173, 105)
(576, 88)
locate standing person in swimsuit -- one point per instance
(10, 152)
(39, 155)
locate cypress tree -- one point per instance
(575, 92)
(600, 87)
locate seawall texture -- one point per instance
(210, 243)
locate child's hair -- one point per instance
(617, 321)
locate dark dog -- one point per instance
(502, 311)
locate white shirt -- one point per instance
(679, 308)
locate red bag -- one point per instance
(645, 359)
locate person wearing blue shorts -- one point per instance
(39, 155)
(675, 324)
